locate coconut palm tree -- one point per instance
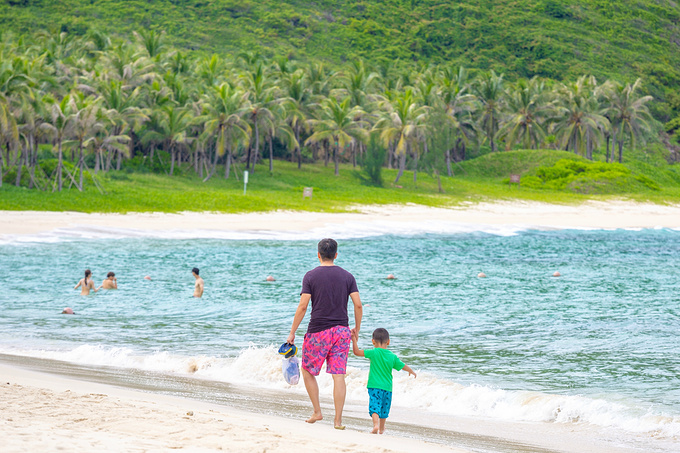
(85, 123)
(226, 105)
(460, 105)
(261, 89)
(528, 108)
(402, 123)
(490, 93)
(171, 125)
(579, 122)
(298, 94)
(9, 133)
(59, 120)
(628, 112)
(339, 124)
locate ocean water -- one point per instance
(596, 347)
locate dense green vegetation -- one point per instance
(557, 39)
(79, 106)
(483, 178)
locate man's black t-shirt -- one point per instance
(330, 287)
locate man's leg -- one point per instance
(339, 393)
(313, 392)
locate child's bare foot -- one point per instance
(375, 430)
(381, 431)
(314, 418)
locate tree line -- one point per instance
(97, 100)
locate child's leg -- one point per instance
(377, 421)
(382, 425)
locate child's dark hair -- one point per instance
(195, 270)
(110, 274)
(381, 336)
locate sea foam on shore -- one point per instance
(258, 367)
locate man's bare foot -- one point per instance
(375, 430)
(382, 431)
(314, 418)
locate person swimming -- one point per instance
(110, 282)
(86, 284)
(198, 288)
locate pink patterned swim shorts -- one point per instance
(331, 345)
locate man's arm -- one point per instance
(299, 316)
(115, 283)
(358, 312)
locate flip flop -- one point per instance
(340, 427)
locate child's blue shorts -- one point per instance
(379, 402)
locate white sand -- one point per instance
(41, 412)
(592, 214)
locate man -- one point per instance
(328, 335)
(198, 289)
(110, 282)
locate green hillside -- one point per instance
(558, 39)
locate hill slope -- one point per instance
(559, 39)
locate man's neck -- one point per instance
(327, 263)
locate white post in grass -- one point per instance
(245, 181)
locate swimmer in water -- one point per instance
(198, 289)
(110, 282)
(86, 283)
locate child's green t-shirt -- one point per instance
(382, 363)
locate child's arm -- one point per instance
(355, 348)
(410, 371)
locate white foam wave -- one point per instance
(347, 230)
(261, 367)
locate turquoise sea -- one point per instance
(597, 347)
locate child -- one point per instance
(380, 376)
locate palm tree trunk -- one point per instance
(390, 155)
(336, 159)
(439, 181)
(402, 166)
(227, 164)
(589, 147)
(271, 154)
(60, 164)
(80, 162)
(613, 145)
(415, 167)
(29, 162)
(607, 155)
(354, 155)
(172, 160)
(448, 163)
(119, 157)
(1, 165)
(299, 150)
(20, 165)
(326, 154)
(257, 146)
(621, 151)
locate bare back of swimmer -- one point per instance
(86, 284)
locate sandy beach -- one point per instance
(592, 214)
(45, 411)
(42, 412)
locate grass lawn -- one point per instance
(481, 179)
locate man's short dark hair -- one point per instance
(328, 248)
(110, 274)
(195, 270)
(381, 336)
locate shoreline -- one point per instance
(50, 404)
(46, 412)
(591, 214)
